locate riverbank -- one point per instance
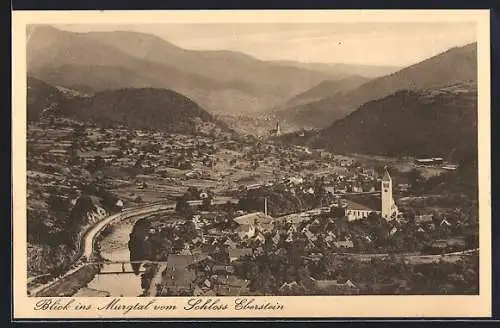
(71, 283)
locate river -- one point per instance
(114, 247)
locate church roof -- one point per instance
(364, 202)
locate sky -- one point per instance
(392, 44)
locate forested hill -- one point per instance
(41, 97)
(435, 122)
(147, 108)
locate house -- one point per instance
(119, 203)
(257, 218)
(246, 231)
(310, 236)
(295, 181)
(230, 244)
(343, 244)
(223, 269)
(286, 286)
(330, 237)
(424, 161)
(336, 285)
(236, 253)
(185, 251)
(420, 229)
(294, 218)
(258, 251)
(180, 262)
(178, 279)
(424, 218)
(330, 190)
(253, 186)
(276, 238)
(450, 167)
(232, 286)
(448, 243)
(445, 222)
(259, 237)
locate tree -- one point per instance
(206, 203)
(97, 164)
(182, 206)
(415, 178)
(337, 211)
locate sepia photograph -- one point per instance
(207, 159)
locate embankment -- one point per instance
(71, 283)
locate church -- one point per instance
(360, 207)
(277, 131)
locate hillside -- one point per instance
(220, 81)
(326, 89)
(455, 65)
(341, 71)
(434, 122)
(41, 97)
(146, 108)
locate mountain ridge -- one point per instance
(406, 123)
(201, 75)
(435, 71)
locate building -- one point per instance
(246, 231)
(360, 207)
(277, 131)
(257, 219)
(389, 208)
(429, 161)
(236, 253)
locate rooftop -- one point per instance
(252, 217)
(364, 202)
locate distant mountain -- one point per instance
(340, 71)
(326, 89)
(145, 108)
(221, 81)
(41, 97)
(455, 65)
(224, 66)
(435, 122)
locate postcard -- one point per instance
(251, 164)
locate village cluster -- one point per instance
(281, 199)
(212, 256)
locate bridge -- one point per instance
(119, 267)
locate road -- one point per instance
(89, 237)
(413, 258)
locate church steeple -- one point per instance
(388, 206)
(387, 177)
